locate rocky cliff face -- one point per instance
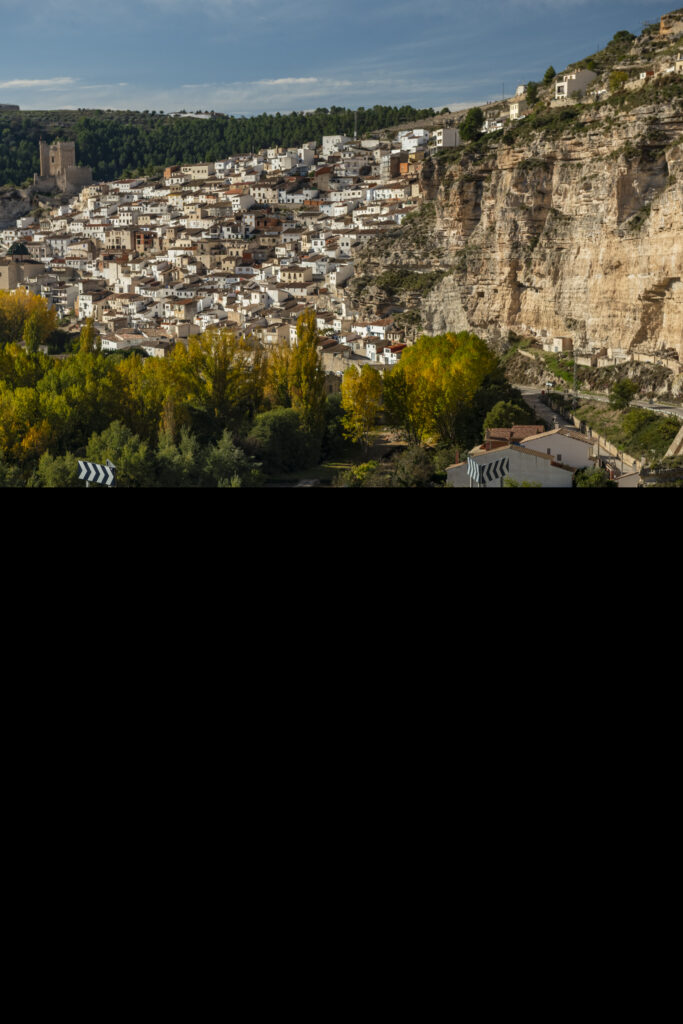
(574, 233)
(14, 203)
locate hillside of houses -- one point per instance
(554, 215)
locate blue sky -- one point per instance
(251, 56)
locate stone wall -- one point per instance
(73, 179)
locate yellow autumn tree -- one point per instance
(435, 382)
(361, 393)
(278, 360)
(89, 340)
(25, 317)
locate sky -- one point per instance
(246, 57)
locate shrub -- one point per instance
(470, 129)
(617, 80)
(508, 414)
(279, 441)
(592, 478)
(622, 393)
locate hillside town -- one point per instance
(547, 255)
(251, 242)
(247, 244)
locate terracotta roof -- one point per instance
(564, 432)
(517, 432)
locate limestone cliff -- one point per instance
(573, 231)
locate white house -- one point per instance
(565, 446)
(491, 125)
(410, 142)
(446, 138)
(558, 345)
(573, 82)
(332, 144)
(524, 465)
(518, 108)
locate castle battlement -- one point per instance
(58, 169)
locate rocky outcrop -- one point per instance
(579, 236)
(14, 203)
(442, 309)
(575, 233)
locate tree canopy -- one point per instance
(179, 421)
(361, 392)
(622, 393)
(435, 384)
(470, 129)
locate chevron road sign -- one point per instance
(92, 473)
(486, 473)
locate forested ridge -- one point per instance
(120, 144)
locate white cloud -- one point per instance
(285, 81)
(37, 83)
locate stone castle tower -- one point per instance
(56, 158)
(58, 168)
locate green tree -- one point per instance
(470, 129)
(334, 442)
(356, 476)
(280, 442)
(549, 75)
(10, 475)
(507, 414)
(130, 455)
(219, 380)
(227, 465)
(17, 249)
(56, 471)
(181, 464)
(307, 376)
(617, 79)
(532, 93)
(621, 394)
(592, 478)
(412, 468)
